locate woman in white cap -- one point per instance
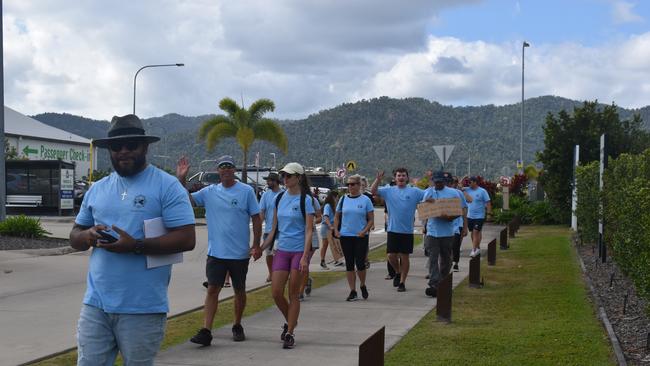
(293, 223)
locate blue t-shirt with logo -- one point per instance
(227, 213)
(291, 224)
(354, 213)
(401, 204)
(121, 283)
(267, 205)
(327, 211)
(459, 220)
(480, 198)
(437, 227)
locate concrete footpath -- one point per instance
(330, 329)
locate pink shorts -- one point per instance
(286, 261)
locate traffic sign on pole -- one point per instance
(444, 152)
(340, 173)
(351, 165)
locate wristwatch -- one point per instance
(139, 246)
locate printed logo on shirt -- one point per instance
(359, 206)
(139, 201)
(295, 208)
(234, 202)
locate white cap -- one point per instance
(293, 168)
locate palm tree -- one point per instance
(245, 125)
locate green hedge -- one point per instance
(588, 195)
(626, 201)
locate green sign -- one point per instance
(28, 151)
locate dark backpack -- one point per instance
(341, 216)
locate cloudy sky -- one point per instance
(80, 56)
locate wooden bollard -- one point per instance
(443, 304)
(475, 272)
(503, 239)
(371, 351)
(492, 253)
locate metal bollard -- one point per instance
(492, 253)
(443, 304)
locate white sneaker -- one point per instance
(475, 252)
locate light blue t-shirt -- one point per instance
(121, 283)
(436, 227)
(291, 225)
(228, 212)
(267, 205)
(480, 198)
(463, 203)
(354, 213)
(327, 211)
(401, 204)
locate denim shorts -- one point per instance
(101, 335)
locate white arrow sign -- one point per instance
(443, 152)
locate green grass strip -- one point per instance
(533, 310)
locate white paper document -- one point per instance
(154, 228)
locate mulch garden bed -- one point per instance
(16, 243)
(627, 312)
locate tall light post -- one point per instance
(135, 78)
(273, 154)
(521, 136)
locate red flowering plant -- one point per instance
(518, 185)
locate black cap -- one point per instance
(272, 176)
(439, 176)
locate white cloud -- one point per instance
(305, 55)
(623, 12)
(491, 73)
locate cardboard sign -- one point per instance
(449, 207)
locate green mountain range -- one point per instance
(379, 133)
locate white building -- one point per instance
(35, 140)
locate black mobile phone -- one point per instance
(106, 237)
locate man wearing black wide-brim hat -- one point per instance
(125, 305)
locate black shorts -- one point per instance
(399, 243)
(216, 268)
(475, 224)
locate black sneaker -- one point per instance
(431, 291)
(308, 286)
(352, 296)
(285, 330)
(427, 277)
(288, 341)
(339, 264)
(205, 284)
(456, 267)
(401, 287)
(364, 292)
(238, 333)
(396, 280)
(323, 265)
(202, 337)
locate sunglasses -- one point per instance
(116, 146)
(226, 166)
(352, 183)
(285, 175)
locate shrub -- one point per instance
(22, 226)
(199, 212)
(518, 185)
(626, 209)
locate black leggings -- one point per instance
(354, 251)
(456, 246)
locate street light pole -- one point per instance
(135, 78)
(521, 136)
(273, 154)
